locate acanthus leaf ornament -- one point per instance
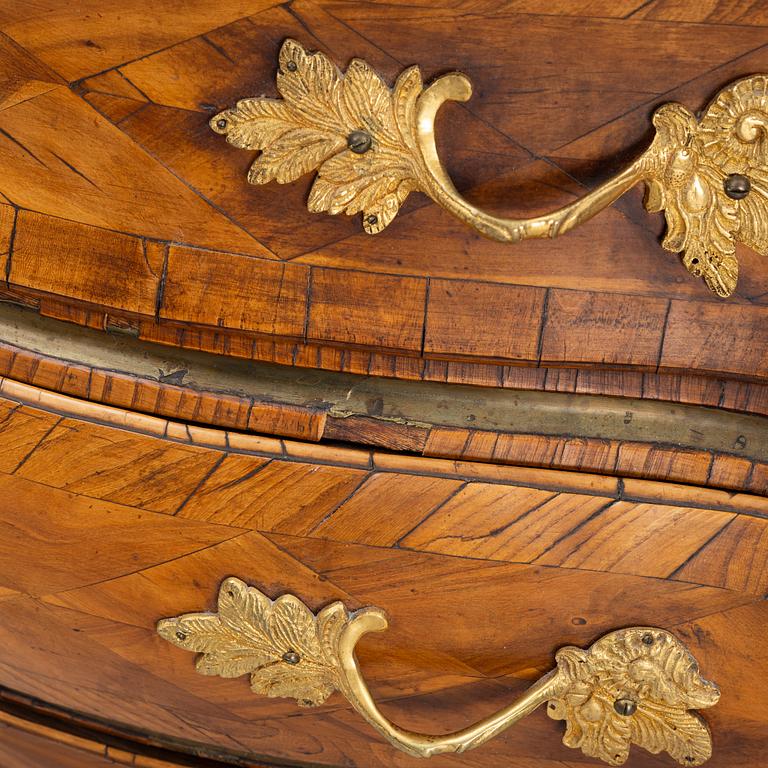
(251, 634)
(655, 681)
(372, 146)
(315, 126)
(632, 686)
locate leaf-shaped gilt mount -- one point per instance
(357, 132)
(632, 686)
(373, 145)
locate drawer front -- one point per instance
(483, 571)
(108, 157)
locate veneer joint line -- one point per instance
(202, 482)
(160, 295)
(32, 450)
(11, 243)
(703, 546)
(433, 511)
(336, 507)
(663, 335)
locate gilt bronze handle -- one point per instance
(373, 145)
(635, 685)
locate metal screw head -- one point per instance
(648, 639)
(221, 124)
(736, 186)
(372, 219)
(625, 707)
(291, 66)
(291, 657)
(359, 142)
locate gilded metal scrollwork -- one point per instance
(373, 145)
(632, 686)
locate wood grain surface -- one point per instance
(117, 198)
(128, 497)
(103, 533)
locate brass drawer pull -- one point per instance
(634, 685)
(373, 145)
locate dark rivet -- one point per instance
(291, 66)
(372, 219)
(181, 636)
(221, 124)
(359, 142)
(625, 707)
(737, 186)
(648, 639)
(291, 657)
